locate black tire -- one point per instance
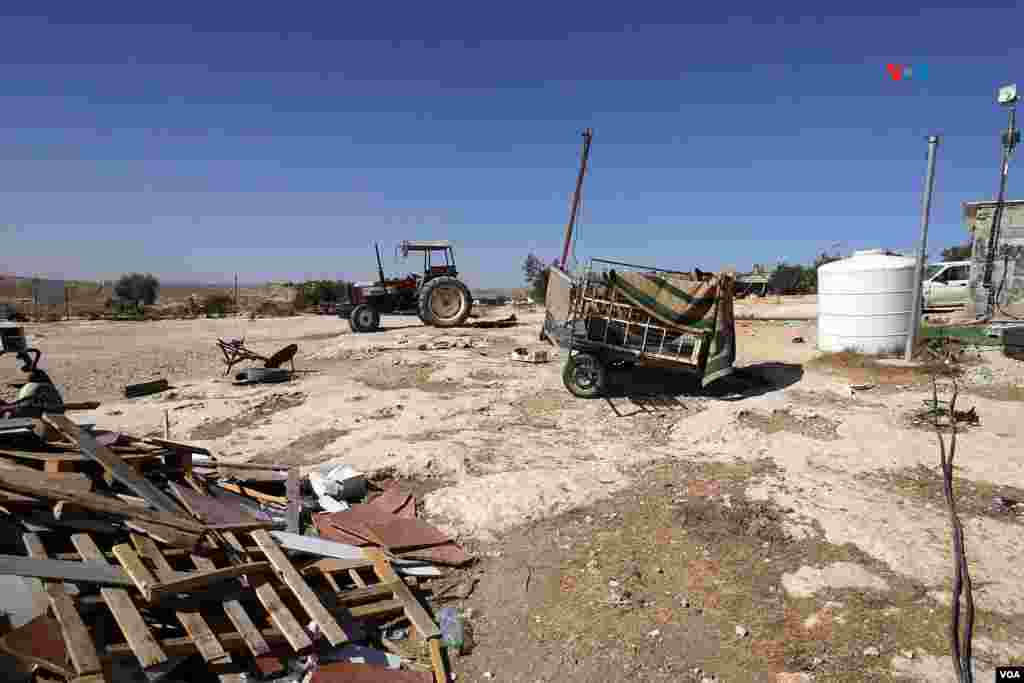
(445, 302)
(262, 375)
(364, 318)
(584, 375)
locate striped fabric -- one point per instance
(702, 307)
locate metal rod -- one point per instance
(633, 265)
(997, 218)
(926, 207)
(380, 266)
(588, 135)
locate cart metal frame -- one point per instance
(597, 326)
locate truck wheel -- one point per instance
(445, 302)
(364, 319)
(584, 375)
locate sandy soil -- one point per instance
(508, 447)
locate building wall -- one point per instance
(1011, 295)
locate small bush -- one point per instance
(141, 289)
(218, 304)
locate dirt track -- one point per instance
(507, 446)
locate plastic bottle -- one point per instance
(453, 629)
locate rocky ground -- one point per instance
(786, 526)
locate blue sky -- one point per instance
(279, 140)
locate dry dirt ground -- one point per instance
(783, 527)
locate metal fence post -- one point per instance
(926, 207)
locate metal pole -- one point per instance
(926, 208)
(997, 219)
(588, 134)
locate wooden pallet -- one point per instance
(256, 619)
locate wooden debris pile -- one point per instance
(158, 563)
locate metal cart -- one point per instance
(600, 328)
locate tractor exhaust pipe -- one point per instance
(380, 266)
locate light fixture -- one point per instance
(1008, 95)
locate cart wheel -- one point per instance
(584, 375)
(364, 319)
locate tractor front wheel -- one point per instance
(364, 319)
(445, 302)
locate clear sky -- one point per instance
(279, 141)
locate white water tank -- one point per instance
(865, 302)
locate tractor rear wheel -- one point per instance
(364, 319)
(445, 302)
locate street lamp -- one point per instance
(1008, 98)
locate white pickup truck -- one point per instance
(945, 284)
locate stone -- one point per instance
(807, 581)
(742, 631)
(871, 651)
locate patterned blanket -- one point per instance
(702, 307)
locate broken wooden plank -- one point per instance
(165, 534)
(58, 570)
(113, 464)
(39, 643)
(237, 615)
(175, 446)
(132, 565)
(209, 509)
(253, 493)
(332, 565)
(242, 527)
(419, 617)
(133, 626)
(186, 583)
(29, 485)
(376, 609)
(437, 661)
(280, 615)
(292, 492)
(305, 595)
(253, 466)
(76, 636)
(146, 388)
(193, 622)
(185, 646)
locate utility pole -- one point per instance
(1010, 138)
(926, 209)
(236, 292)
(588, 135)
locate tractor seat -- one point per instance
(439, 270)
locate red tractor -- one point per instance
(437, 296)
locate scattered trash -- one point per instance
(262, 375)
(205, 535)
(490, 324)
(1004, 505)
(742, 631)
(528, 356)
(453, 629)
(342, 481)
(146, 388)
(235, 352)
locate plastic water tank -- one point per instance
(865, 302)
